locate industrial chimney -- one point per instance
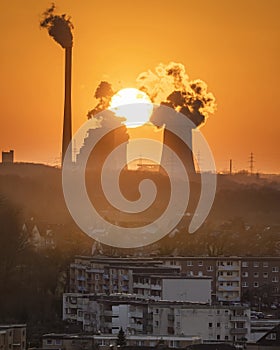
(60, 28)
(67, 118)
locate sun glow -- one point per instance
(132, 104)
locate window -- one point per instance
(209, 268)
(58, 342)
(190, 273)
(96, 277)
(49, 341)
(156, 323)
(244, 274)
(274, 279)
(218, 324)
(255, 264)
(200, 263)
(200, 273)
(265, 275)
(275, 269)
(229, 273)
(244, 263)
(229, 263)
(256, 284)
(265, 264)
(218, 312)
(189, 263)
(271, 336)
(256, 274)
(226, 337)
(210, 324)
(218, 337)
(244, 284)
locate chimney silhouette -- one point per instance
(60, 28)
(67, 118)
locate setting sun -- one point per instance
(132, 104)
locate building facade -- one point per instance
(13, 337)
(231, 277)
(108, 314)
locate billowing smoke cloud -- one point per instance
(170, 85)
(103, 94)
(59, 27)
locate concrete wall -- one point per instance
(192, 290)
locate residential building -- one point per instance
(108, 341)
(107, 314)
(269, 341)
(13, 337)
(231, 277)
(55, 341)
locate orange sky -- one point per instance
(233, 45)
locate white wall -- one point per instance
(192, 290)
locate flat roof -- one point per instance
(6, 326)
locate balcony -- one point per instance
(81, 278)
(238, 331)
(228, 289)
(136, 314)
(228, 268)
(240, 318)
(142, 285)
(108, 313)
(137, 326)
(95, 270)
(228, 278)
(155, 287)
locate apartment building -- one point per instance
(232, 276)
(108, 341)
(107, 275)
(211, 323)
(107, 314)
(93, 311)
(13, 337)
(54, 341)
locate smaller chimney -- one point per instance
(8, 157)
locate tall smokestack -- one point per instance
(60, 28)
(67, 119)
